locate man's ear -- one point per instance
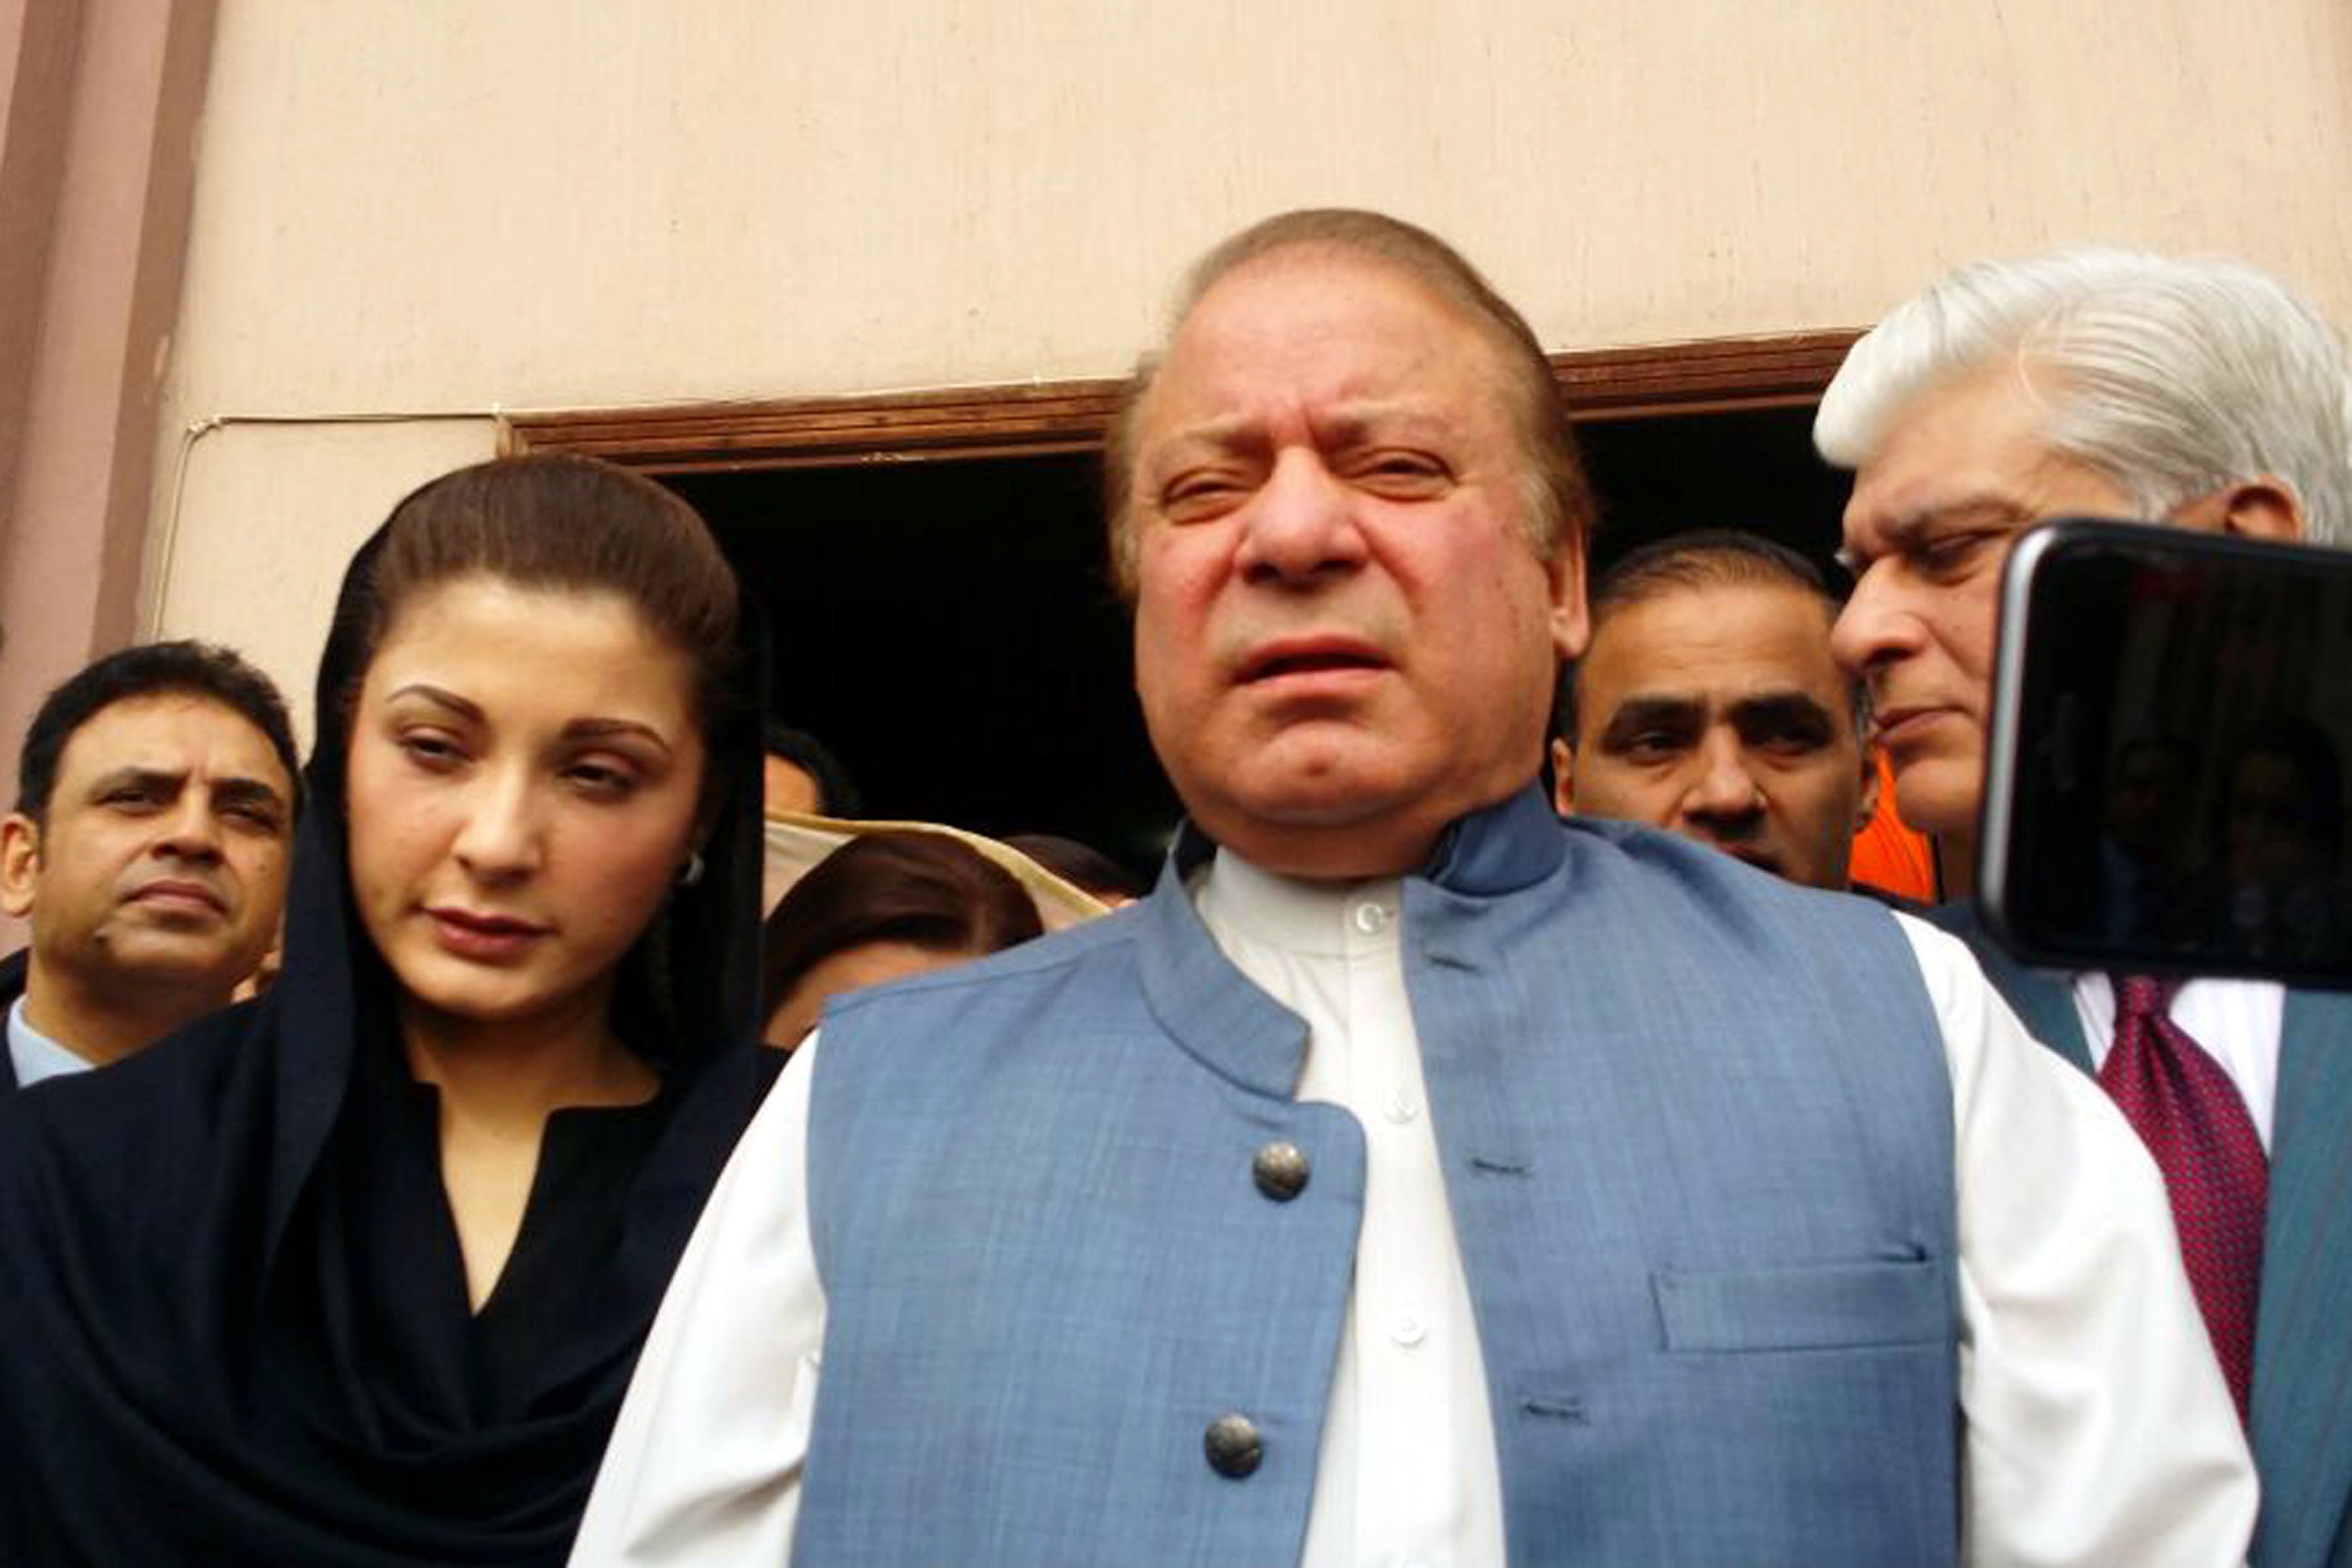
(1865, 800)
(2264, 507)
(1571, 623)
(1563, 778)
(20, 863)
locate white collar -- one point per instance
(34, 1055)
(1294, 915)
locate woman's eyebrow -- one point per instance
(594, 727)
(600, 729)
(439, 696)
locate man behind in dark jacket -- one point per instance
(155, 799)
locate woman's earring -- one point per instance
(691, 872)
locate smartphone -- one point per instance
(2165, 779)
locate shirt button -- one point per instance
(1397, 1106)
(1280, 1171)
(1371, 919)
(1233, 1446)
(1407, 1331)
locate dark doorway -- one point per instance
(947, 627)
(1754, 471)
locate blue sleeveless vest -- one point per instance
(1696, 1127)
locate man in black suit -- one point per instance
(156, 793)
(2201, 394)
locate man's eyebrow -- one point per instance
(1903, 530)
(1346, 423)
(132, 775)
(1219, 432)
(1352, 422)
(1637, 713)
(243, 791)
(1781, 709)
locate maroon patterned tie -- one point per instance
(2194, 1121)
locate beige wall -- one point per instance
(445, 207)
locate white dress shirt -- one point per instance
(2099, 1429)
(33, 1054)
(2236, 1021)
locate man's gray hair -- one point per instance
(2175, 378)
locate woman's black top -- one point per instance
(572, 1226)
(234, 1326)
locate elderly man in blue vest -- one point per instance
(2205, 395)
(1412, 1177)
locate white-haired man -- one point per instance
(2204, 394)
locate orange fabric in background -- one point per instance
(1887, 854)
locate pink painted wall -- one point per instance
(96, 170)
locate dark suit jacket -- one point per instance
(12, 985)
(2301, 1416)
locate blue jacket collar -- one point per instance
(1500, 848)
(1238, 1030)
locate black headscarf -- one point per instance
(226, 1324)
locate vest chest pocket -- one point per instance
(1835, 1306)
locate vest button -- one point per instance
(1233, 1446)
(1280, 1171)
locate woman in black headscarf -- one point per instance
(356, 1274)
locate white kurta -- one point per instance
(2097, 1426)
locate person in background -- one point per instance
(1415, 1175)
(2200, 395)
(1891, 856)
(800, 776)
(883, 906)
(156, 801)
(356, 1274)
(1707, 704)
(1082, 866)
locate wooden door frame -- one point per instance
(1709, 376)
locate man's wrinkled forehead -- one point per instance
(1260, 346)
(1773, 636)
(1342, 422)
(149, 731)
